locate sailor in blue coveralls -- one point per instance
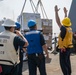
(35, 49)
(18, 26)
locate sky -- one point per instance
(12, 9)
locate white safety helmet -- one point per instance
(9, 23)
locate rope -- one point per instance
(42, 8)
(23, 7)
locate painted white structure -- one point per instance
(25, 17)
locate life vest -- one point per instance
(67, 41)
(33, 38)
(8, 54)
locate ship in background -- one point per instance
(72, 14)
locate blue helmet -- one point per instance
(18, 26)
(31, 23)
